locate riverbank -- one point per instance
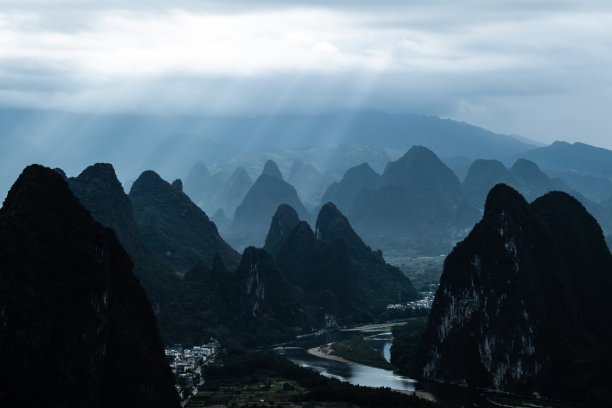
(325, 351)
(373, 326)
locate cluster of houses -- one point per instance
(186, 363)
(424, 303)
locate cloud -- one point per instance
(542, 69)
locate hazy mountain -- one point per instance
(230, 195)
(525, 299)
(309, 183)
(524, 175)
(586, 169)
(170, 144)
(77, 328)
(344, 192)
(595, 188)
(459, 165)
(336, 277)
(416, 207)
(482, 176)
(580, 157)
(203, 187)
(253, 215)
(271, 170)
(178, 232)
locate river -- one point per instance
(358, 374)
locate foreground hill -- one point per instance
(77, 328)
(336, 277)
(525, 297)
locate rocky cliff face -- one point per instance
(334, 274)
(522, 304)
(76, 327)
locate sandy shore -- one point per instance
(325, 350)
(374, 326)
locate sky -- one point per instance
(538, 69)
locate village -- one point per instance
(186, 365)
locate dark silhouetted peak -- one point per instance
(525, 298)
(178, 232)
(66, 285)
(61, 173)
(178, 184)
(503, 199)
(44, 184)
(271, 169)
(331, 223)
(336, 264)
(283, 222)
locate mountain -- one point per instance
(271, 170)
(170, 144)
(178, 232)
(336, 277)
(524, 175)
(309, 183)
(459, 165)
(344, 192)
(77, 328)
(101, 193)
(203, 187)
(586, 169)
(230, 195)
(417, 206)
(283, 222)
(267, 306)
(253, 215)
(525, 299)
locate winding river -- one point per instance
(358, 374)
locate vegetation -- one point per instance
(246, 377)
(406, 339)
(424, 271)
(356, 349)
